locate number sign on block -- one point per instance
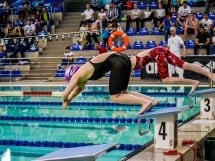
(166, 131)
(207, 105)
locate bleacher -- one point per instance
(53, 45)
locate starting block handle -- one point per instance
(141, 132)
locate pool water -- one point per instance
(32, 126)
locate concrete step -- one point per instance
(70, 25)
(67, 30)
(71, 21)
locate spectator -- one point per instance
(159, 15)
(174, 5)
(68, 55)
(167, 23)
(36, 21)
(88, 15)
(9, 30)
(18, 31)
(147, 15)
(174, 44)
(84, 27)
(166, 6)
(133, 17)
(6, 11)
(202, 41)
(111, 16)
(191, 25)
(45, 20)
(207, 23)
(24, 9)
(95, 5)
(183, 12)
(29, 28)
(118, 4)
(105, 35)
(213, 43)
(101, 16)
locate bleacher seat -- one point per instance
(153, 5)
(141, 5)
(131, 32)
(3, 54)
(180, 30)
(75, 47)
(163, 43)
(58, 9)
(60, 73)
(80, 60)
(33, 48)
(155, 31)
(16, 73)
(4, 73)
(199, 15)
(144, 31)
(189, 44)
(191, 3)
(211, 15)
(150, 44)
(138, 45)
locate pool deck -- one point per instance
(193, 130)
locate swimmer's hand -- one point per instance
(65, 103)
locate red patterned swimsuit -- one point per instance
(162, 56)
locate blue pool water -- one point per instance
(32, 126)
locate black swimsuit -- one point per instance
(120, 67)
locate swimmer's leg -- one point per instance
(129, 98)
(177, 80)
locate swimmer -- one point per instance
(163, 56)
(119, 66)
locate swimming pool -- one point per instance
(34, 124)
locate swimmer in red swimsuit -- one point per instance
(163, 56)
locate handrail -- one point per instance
(143, 132)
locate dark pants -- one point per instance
(143, 20)
(196, 47)
(129, 20)
(156, 19)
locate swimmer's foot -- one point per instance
(194, 86)
(145, 107)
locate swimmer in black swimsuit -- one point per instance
(119, 66)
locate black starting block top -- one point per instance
(163, 111)
(202, 92)
(85, 153)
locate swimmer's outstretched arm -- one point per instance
(73, 94)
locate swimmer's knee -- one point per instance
(114, 98)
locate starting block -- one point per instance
(85, 153)
(207, 105)
(166, 131)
